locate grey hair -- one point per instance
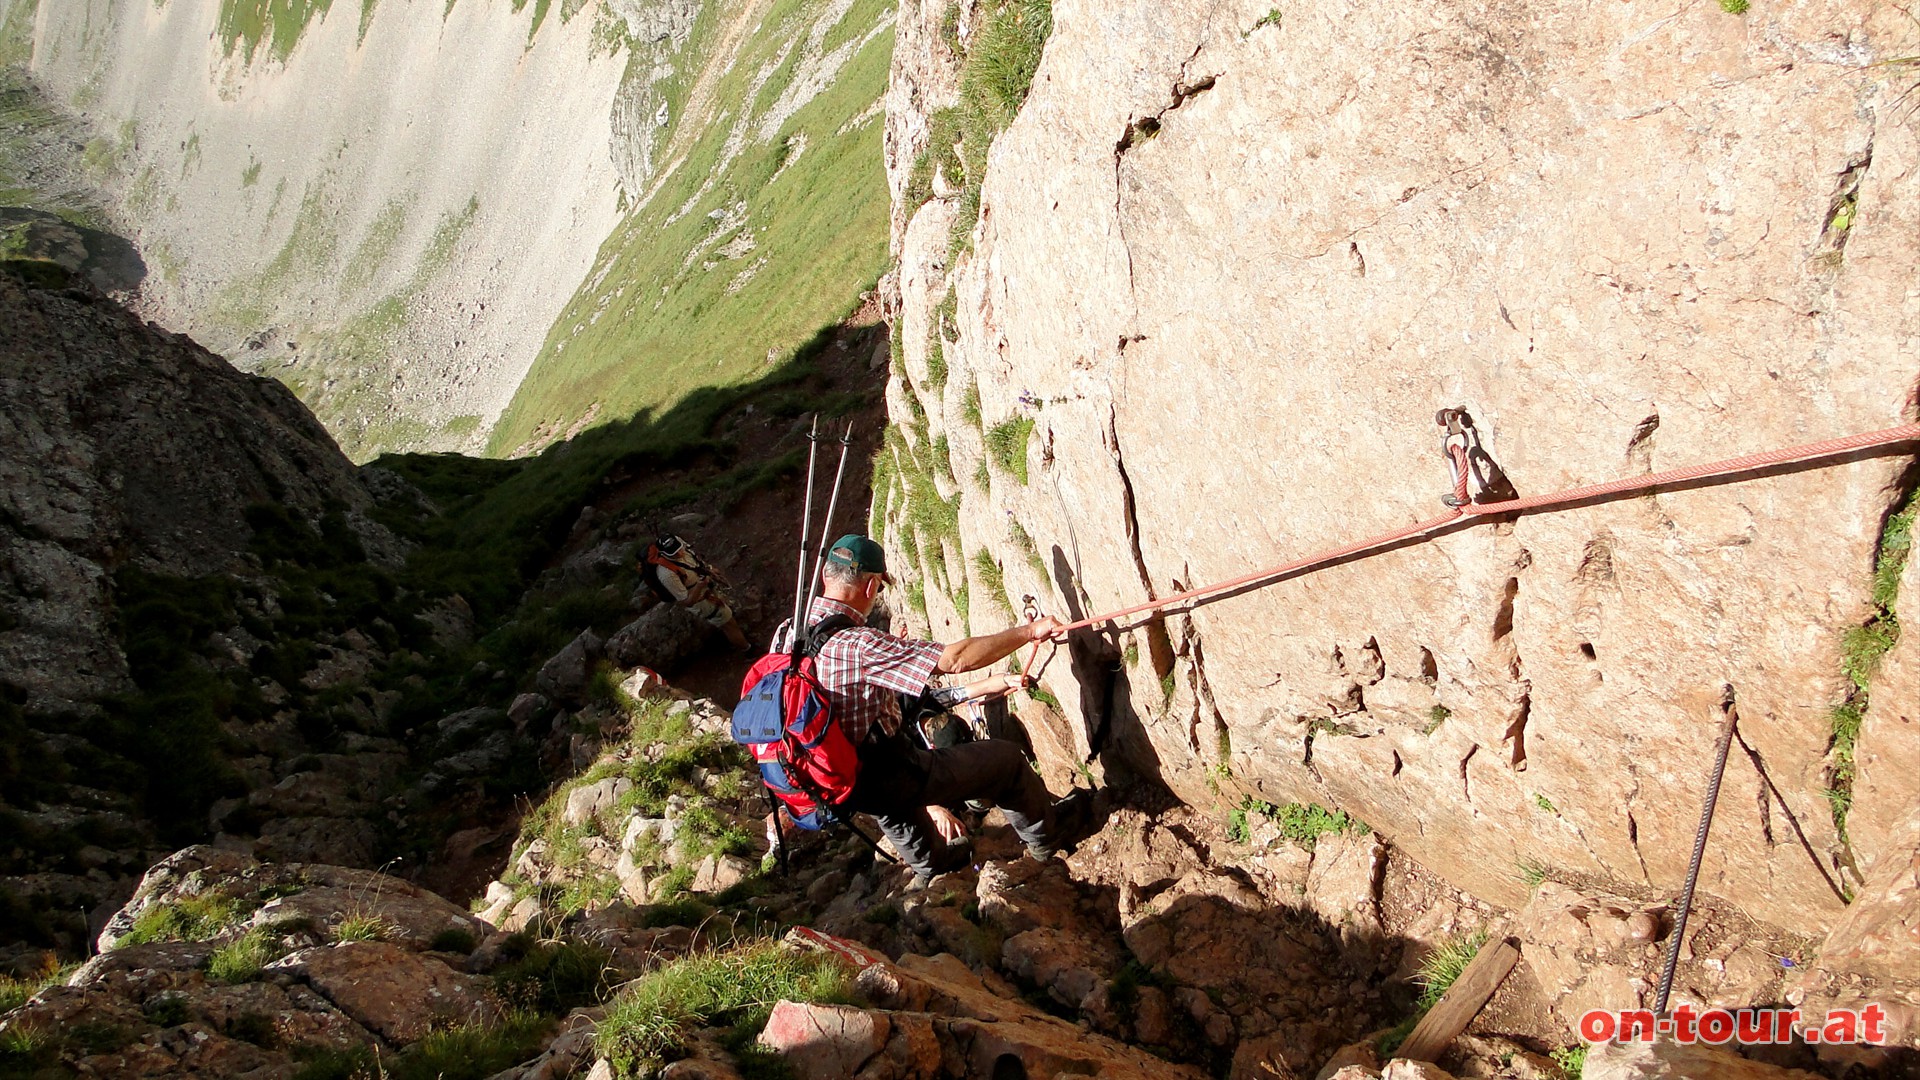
(842, 575)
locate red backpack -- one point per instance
(784, 720)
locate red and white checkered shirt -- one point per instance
(862, 669)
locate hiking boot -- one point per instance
(1074, 818)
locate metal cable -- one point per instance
(1724, 468)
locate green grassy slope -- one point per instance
(670, 307)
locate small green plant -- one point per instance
(255, 1027)
(1131, 655)
(17, 991)
(970, 406)
(1544, 803)
(1040, 694)
(883, 914)
(321, 1062)
(993, 578)
(1007, 445)
(1532, 874)
(1435, 717)
(471, 1051)
(361, 926)
(195, 918)
(1239, 831)
(1306, 823)
(1572, 1059)
(1271, 18)
(1735, 7)
(454, 940)
(1166, 688)
(552, 978)
(167, 1010)
(653, 1016)
(1391, 1039)
(243, 958)
(1442, 966)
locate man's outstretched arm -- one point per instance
(974, 653)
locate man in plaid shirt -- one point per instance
(903, 785)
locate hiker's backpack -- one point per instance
(784, 720)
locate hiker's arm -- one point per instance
(974, 653)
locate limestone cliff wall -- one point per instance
(1230, 260)
(386, 209)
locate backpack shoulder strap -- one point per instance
(823, 631)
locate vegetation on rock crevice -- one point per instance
(995, 75)
(1861, 650)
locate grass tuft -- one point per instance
(195, 918)
(243, 958)
(1532, 874)
(654, 1015)
(1007, 445)
(1442, 966)
(360, 926)
(16, 991)
(552, 978)
(1572, 1060)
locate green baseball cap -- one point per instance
(860, 553)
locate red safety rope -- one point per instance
(1469, 510)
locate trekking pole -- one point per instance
(795, 628)
(826, 527)
(776, 836)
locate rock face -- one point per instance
(120, 444)
(1873, 953)
(1623, 241)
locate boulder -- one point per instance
(663, 638)
(718, 873)
(185, 873)
(468, 725)
(825, 1042)
(1021, 895)
(450, 621)
(400, 995)
(1408, 1069)
(411, 919)
(592, 801)
(335, 840)
(526, 709)
(564, 676)
(1343, 886)
(1873, 953)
